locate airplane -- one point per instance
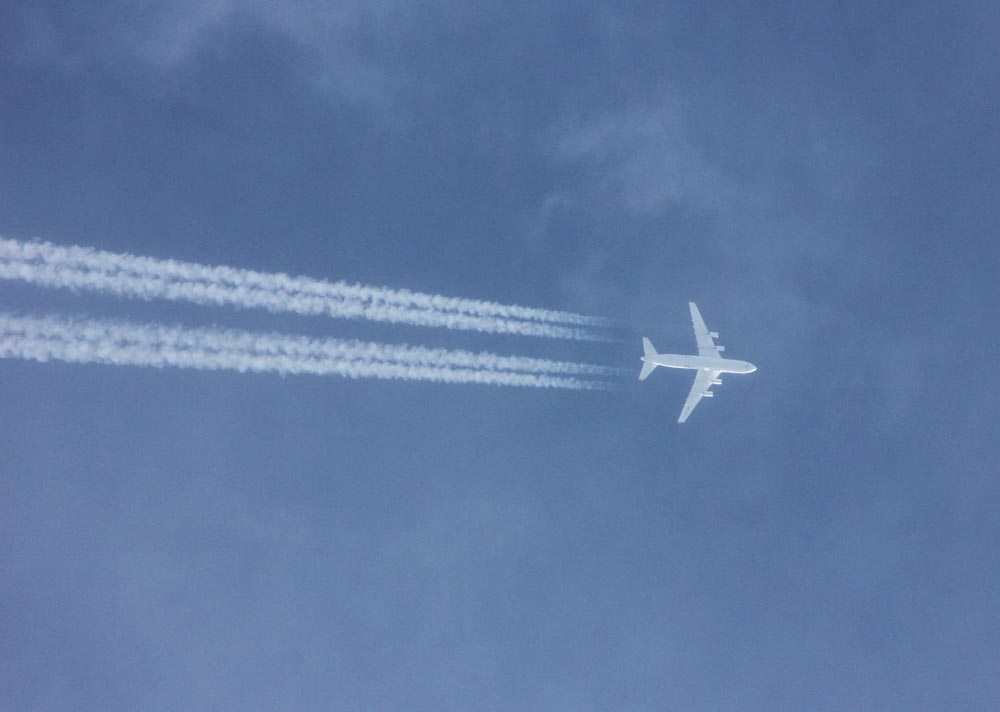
(709, 363)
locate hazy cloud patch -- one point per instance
(642, 157)
(353, 52)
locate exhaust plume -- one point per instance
(82, 268)
(121, 343)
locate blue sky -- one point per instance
(821, 178)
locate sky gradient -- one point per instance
(820, 178)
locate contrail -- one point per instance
(82, 268)
(119, 343)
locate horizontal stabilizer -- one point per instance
(647, 368)
(647, 351)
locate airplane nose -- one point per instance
(751, 368)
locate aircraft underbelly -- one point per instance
(695, 362)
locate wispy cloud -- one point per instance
(349, 51)
(121, 343)
(642, 155)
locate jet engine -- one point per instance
(715, 382)
(714, 334)
(720, 349)
(707, 394)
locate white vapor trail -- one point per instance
(118, 343)
(83, 268)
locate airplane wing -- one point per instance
(702, 382)
(706, 346)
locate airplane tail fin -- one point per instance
(647, 367)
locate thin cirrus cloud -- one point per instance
(336, 47)
(644, 156)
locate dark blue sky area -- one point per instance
(821, 178)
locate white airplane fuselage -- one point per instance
(701, 363)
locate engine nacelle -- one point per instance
(707, 394)
(715, 382)
(720, 349)
(714, 334)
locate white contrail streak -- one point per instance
(117, 343)
(83, 268)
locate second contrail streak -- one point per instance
(118, 343)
